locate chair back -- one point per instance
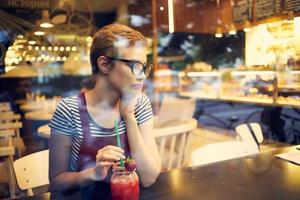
(222, 151)
(5, 106)
(32, 170)
(251, 133)
(174, 109)
(10, 122)
(172, 142)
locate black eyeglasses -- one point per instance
(137, 67)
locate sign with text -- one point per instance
(242, 10)
(292, 5)
(267, 8)
(25, 4)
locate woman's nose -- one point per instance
(141, 76)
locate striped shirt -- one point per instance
(66, 121)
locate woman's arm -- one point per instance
(61, 178)
(143, 149)
(142, 143)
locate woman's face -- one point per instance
(121, 76)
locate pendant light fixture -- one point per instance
(232, 29)
(46, 23)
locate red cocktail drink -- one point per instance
(124, 185)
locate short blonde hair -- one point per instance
(107, 40)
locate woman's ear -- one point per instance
(103, 64)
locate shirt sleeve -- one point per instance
(143, 109)
(62, 119)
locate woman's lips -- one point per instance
(137, 86)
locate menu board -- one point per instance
(267, 8)
(242, 10)
(292, 5)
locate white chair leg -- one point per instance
(12, 189)
(29, 192)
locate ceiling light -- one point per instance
(218, 33)
(232, 29)
(32, 42)
(247, 26)
(45, 23)
(39, 33)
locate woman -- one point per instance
(83, 144)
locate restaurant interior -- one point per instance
(224, 90)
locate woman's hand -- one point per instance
(127, 103)
(105, 158)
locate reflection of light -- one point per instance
(176, 179)
(295, 72)
(46, 25)
(181, 74)
(161, 8)
(68, 48)
(247, 29)
(199, 74)
(8, 68)
(291, 173)
(36, 48)
(171, 16)
(165, 73)
(74, 48)
(43, 48)
(49, 48)
(62, 48)
(32, 42)
(244, 73)
(55, 48)
(89, 39)
(39, 33)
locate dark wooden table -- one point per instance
(261, 177)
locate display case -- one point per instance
(200, 84)
(249, 86)
(288, 89)
(260, 87)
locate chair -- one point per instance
(32, 171)
(172, 142)
(11, 121)
(7, 151)
(9, 130)
(4, 106)
(221, 151)
(250, 133)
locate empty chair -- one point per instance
(250, 133)
(174, 109)
(221, 151)
(32, 171)
(250, 136)
(172, 142)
